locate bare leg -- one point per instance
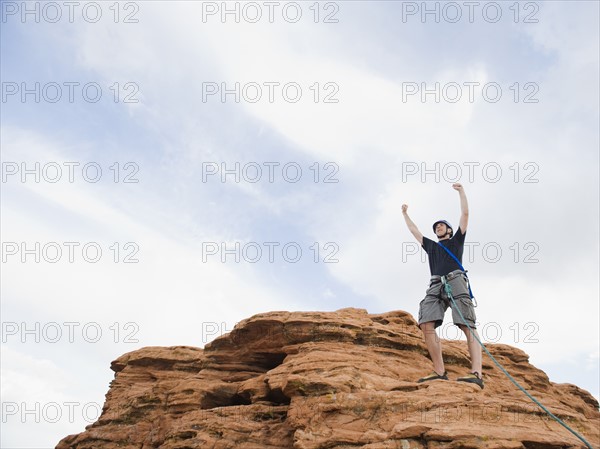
(474, 348)
(433, 346)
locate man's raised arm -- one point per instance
(411, 226)
(464, 207)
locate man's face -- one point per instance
(441, 230)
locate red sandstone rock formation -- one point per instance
(335, 380)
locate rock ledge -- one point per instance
(330, 380)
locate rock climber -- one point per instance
(433, 307)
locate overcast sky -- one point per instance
(142, 141)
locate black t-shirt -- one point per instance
(440, 262)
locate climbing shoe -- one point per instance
(474, 378)
(434, 376)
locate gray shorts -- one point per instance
(436, 302)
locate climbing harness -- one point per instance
(448, 290)
(461, 267)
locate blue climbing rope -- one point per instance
(556, 418)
